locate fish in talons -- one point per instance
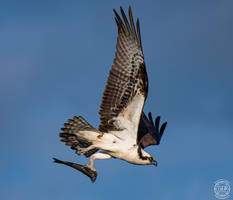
(92, 174)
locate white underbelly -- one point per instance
(124, 149)
(128, 154)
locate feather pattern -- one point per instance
(127, 77)
(70, 137)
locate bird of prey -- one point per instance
(124, 129)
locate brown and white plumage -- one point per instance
(127, 77)
(121, 107)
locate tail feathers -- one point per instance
(71, 137)
(77, 124)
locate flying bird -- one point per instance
(124, 129)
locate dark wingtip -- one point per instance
(138, 32)
(163, 128)
(130, 10)
(157, 120)
(121, 9)
(150, 117)
(116, 14)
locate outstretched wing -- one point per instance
(127, 84)
(149, 132)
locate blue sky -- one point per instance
(54, 61)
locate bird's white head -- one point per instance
(146, 157)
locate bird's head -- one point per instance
(147, 157)
(152, 161)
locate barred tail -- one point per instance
(73, 136)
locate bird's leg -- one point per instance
(99, 155)
(84, 150)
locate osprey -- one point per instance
(124, 129)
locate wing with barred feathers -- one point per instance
(127, 84)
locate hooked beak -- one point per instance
(154, 163)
